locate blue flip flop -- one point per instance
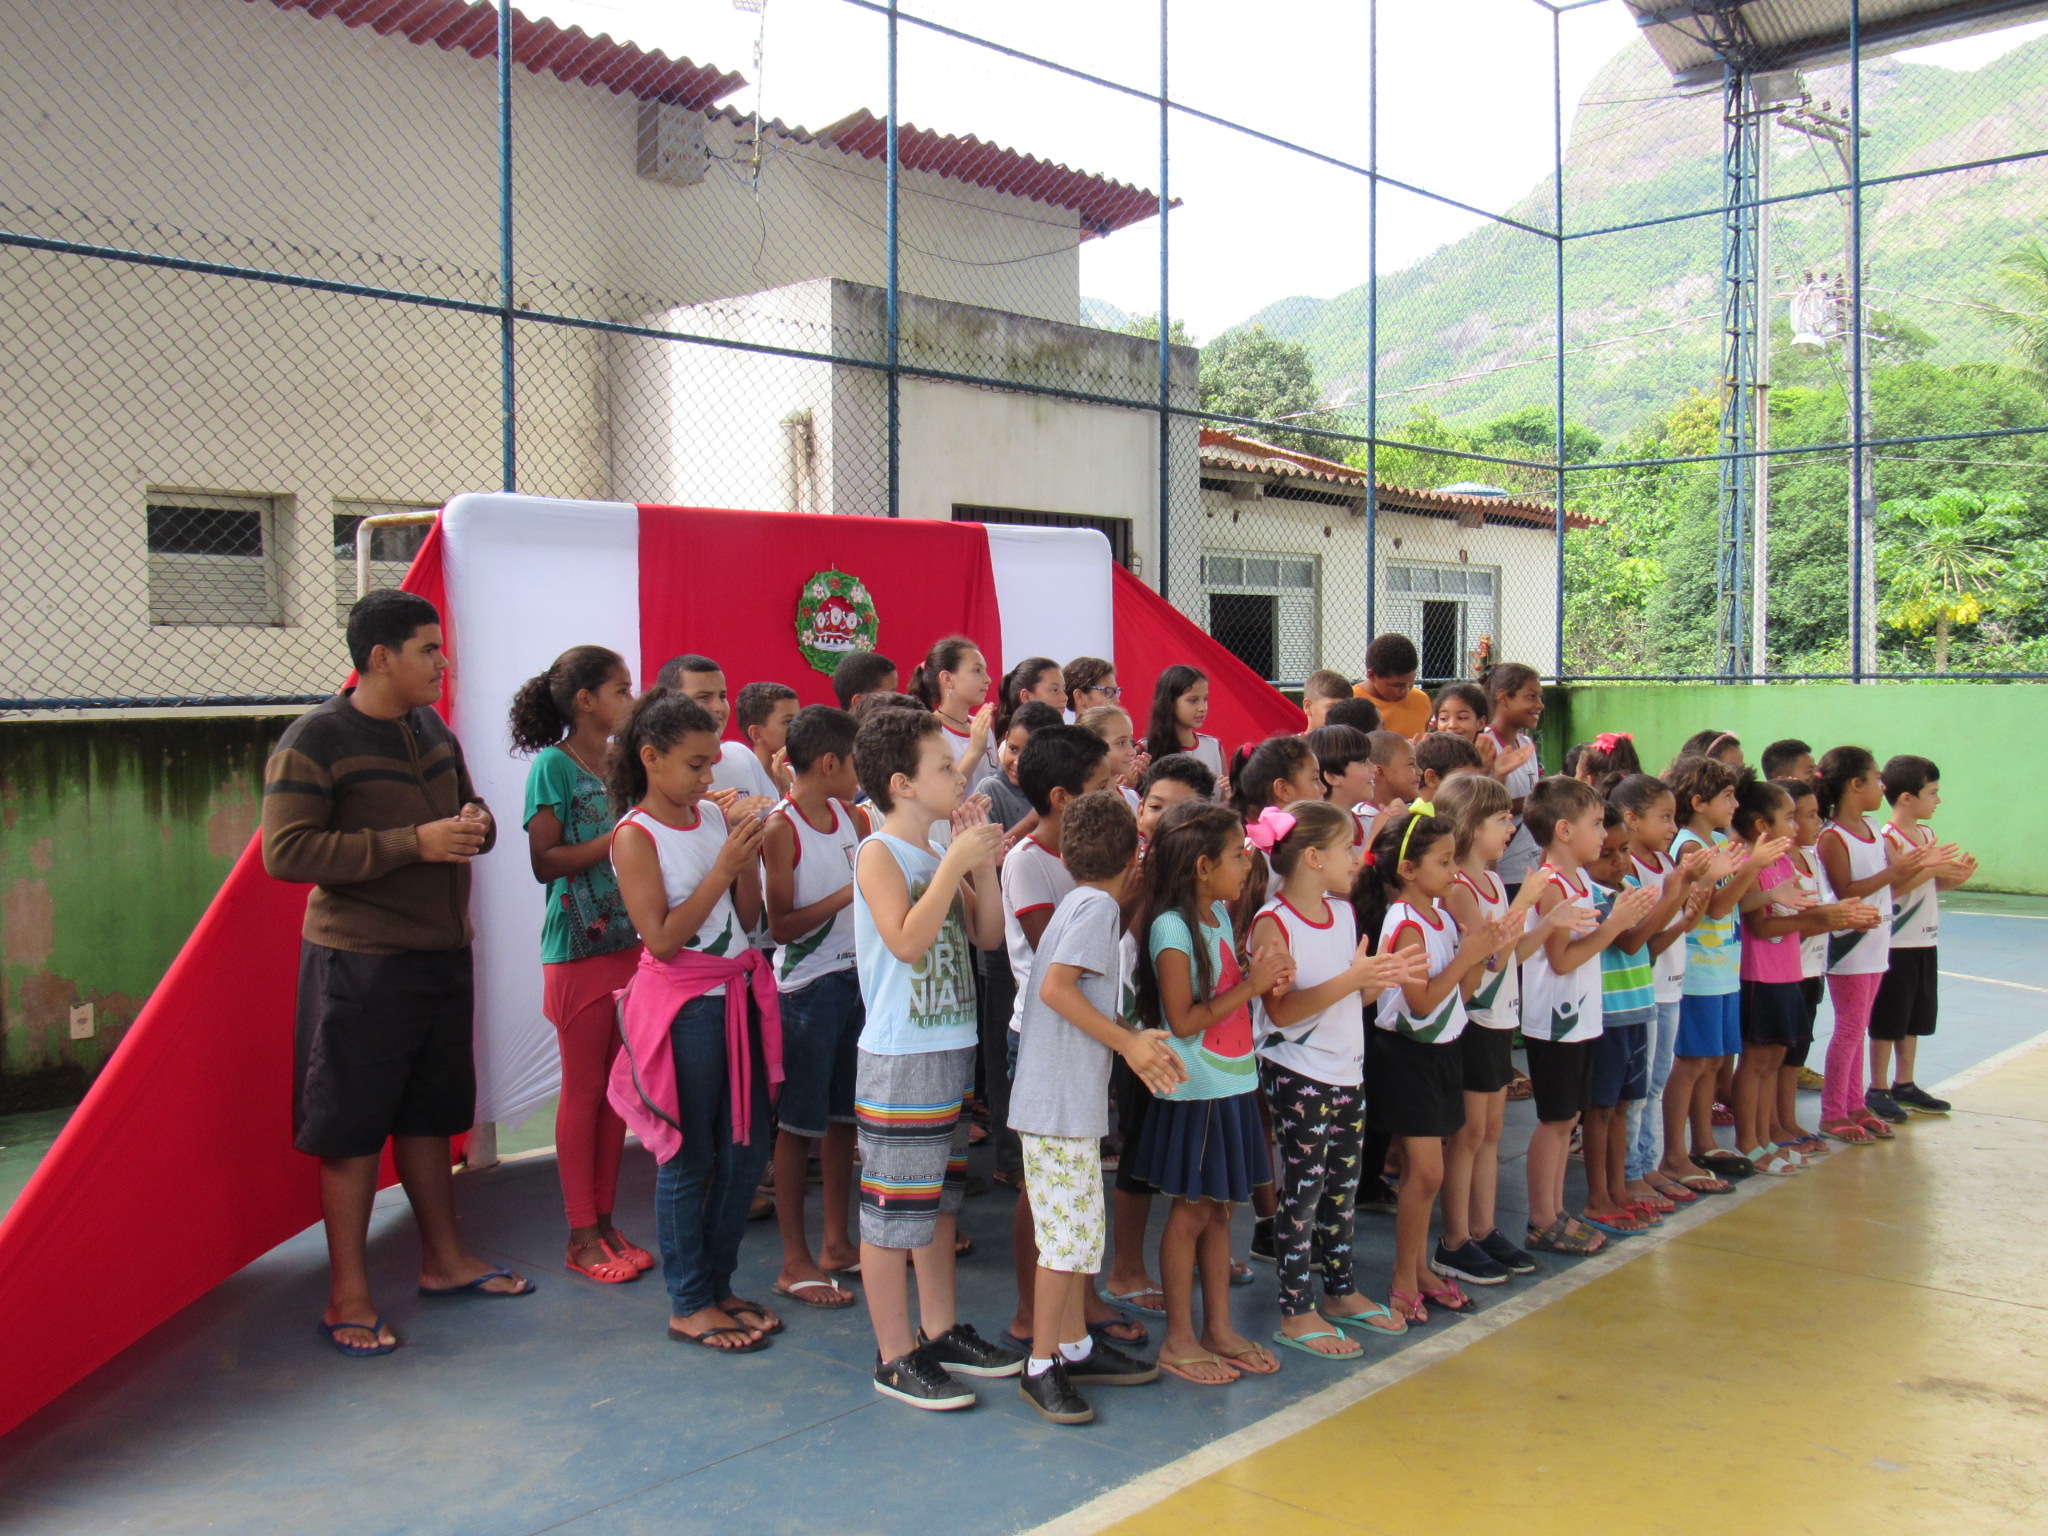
(1100, 1332)
(1359, 1321)
(1595, 1221)
(356, 1351)
(1287, 1341)
(1123, 1301)
(476, 1287)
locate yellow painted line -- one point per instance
(1363, 1381)
(1238, 1479)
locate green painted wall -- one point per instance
(1989, 738)
(114, 836)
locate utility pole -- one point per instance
(1836, 129)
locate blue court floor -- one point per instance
(569, 1410)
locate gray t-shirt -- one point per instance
(1062, 1083)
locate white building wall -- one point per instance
(234, 132)
(1336, 538)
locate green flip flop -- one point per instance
(1301, 1344)
(1362, 1321)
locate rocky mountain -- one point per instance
(1467, 330)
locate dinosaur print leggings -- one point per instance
(1320, 1128)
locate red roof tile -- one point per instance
(567, 53)
(1233, 450)
(1104, 205)
(573, 55)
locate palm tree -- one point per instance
(2023, 273)
(1949, 560)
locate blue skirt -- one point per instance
(1203, 1149)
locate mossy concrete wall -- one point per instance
(1990, 740)
(114, 836)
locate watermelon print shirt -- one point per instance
(1219, 1060)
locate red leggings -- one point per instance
(589, 1135)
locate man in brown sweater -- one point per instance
(367, 798)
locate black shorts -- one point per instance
(1813, 991)
(1413, 1089)
(1132, 1099)
(1621, 1064)
(1489, 1058)
(383, 1048)
(1906, 998)
(1562, 1071)
(1774, 1012)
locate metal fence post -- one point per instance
(1862, 480)
(1165, 325)
(508, 407)
(1557, 273)
(1372, 319)
(894, 379)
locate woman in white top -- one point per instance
(1312, 1061)
(1180, 704)
(952, 682)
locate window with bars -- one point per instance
(1444, 609)
(391, 549)
(1265, 609)
(213, 559)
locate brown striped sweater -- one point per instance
(343, 796)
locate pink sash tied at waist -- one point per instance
(643, 1080)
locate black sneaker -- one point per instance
(1378, 1196)
(1472, 1263)
(1506, 1254)
(966, 1353)
(919, 1380)
(1108, 1366)
(1884, 1106)
(1913, 1096)
(1054, 1396)
(1263, 1250)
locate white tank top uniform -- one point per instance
(1868, 952)
(1497, 1004)
(1440, 940)
(1668, 969)
(1328, 1046)
(687, 855)
(1523, 855)
(1813, 947)
(824, 864)
(1208, 751)
(1916, 916)
(1566, 1007)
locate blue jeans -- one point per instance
(702, 1194)
(1646, 1119)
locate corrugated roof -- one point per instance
(1104, 205)
(1690, 35)
(567, 53)
(573, 55)
(1233, 450)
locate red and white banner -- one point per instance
(181, 1154)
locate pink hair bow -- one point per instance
(1606, 741)
(1272, 825)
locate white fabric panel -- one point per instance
(1053, 587)
(527, 579)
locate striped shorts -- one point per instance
(913, 1143)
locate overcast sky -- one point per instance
(1465, 111)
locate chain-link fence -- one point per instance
(1699, 347)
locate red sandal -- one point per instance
(619, 1247)
(613, 1271)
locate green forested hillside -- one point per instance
(1642, 307)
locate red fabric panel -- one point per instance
(1152, 635)
(178, 1168)
(726, 584)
